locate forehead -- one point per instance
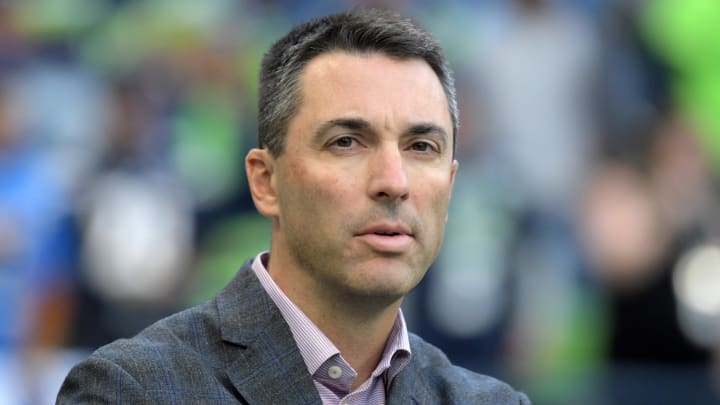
(375, 85)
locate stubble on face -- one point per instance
(371, 274)
(323, 198)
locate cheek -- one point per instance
(317, 195)
(436, 210)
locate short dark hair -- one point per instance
(360, 30)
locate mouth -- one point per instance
(384, 233)
(387, 228)
(387, 238)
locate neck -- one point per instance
(361, 338)
(359, 326)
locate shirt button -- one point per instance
(335, 372)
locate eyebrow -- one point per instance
(428, 128)
(355, 124)
(359, 124)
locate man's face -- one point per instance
(364, 183)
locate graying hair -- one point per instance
(361, 30)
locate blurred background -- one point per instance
(582, 256)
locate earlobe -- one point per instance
(260, 169)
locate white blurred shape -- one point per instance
(139, 237)
(697, 279)
(696, 282)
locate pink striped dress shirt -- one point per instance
(331, 374)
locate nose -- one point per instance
(388, 176)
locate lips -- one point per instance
(387, 229)
(387, 237)
(390, 233)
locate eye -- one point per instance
(422, 146)
(344, 142)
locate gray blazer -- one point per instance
(237, 348)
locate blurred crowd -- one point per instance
(582, 255)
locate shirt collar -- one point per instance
(314, 346)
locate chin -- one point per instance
(387, 283)
(379, 297)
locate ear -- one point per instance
(453, 171)
(260, 170)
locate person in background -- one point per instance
(355, 167)
(36, 275)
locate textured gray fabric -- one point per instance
(237, 348)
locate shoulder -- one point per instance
(165, 356)
(453, 384)
(192, 333)
(190, 338)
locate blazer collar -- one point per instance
(264, 363)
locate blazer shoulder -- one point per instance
(198, 354)
(454, 384)
(163, 358)
(194, 331)
(192, 335)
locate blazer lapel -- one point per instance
(409, 387)
(265, 365)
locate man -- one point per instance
(357, 126)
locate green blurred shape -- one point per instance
(207, 150)
(568, 361)
(140, 29)
(686, 34)
(58, 18)
(699, 96)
